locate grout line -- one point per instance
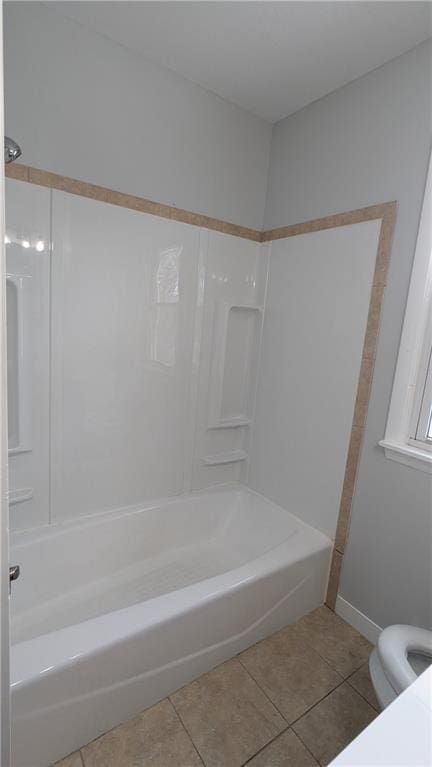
(345, 681)
(82, 758)
(200, 757)
(307, 748)
(344, 678)
(264, 692)
(360, 693)
(363, 697)
(260, 750)
(327, 661)
(236, 657)
(327, 695)
(290, 724)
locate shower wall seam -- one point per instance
(266, 248)
(50, 348)
(192, 428)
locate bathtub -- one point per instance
(116, 611)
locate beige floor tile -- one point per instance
(227, 716)
(74, 760)
(362, 682)
(336, 641)
(290, 672)
(156, 737)
(286, 751)
(331, 725)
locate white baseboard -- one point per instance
(357, 620)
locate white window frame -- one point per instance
(408, 409)
(420, 431)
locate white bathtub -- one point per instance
(113, 613)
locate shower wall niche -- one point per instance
(236, 330)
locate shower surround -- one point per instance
(173, 358)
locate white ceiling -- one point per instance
(270, 58)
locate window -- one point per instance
(408, 437)
(421, 425)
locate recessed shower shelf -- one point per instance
(19, 496)
(237, 361)
(233, 456)
(231, 423)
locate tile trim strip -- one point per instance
(387, 214)
(357, 216)
(384, 211)
(84, 189)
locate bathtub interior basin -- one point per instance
(71, 573)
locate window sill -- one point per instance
(409, 455)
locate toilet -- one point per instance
(401, 655)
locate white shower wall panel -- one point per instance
(124, 296)
(136, 349)
(316, 312)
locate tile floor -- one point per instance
(295, 699)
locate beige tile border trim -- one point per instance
(387, 214)
(329, 222)
(385, 211)
(84, 189)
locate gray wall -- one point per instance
(368, 143)
(82, 106)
